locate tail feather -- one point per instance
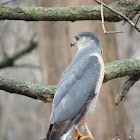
(49, 131)
(57, 130)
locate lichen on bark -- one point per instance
(46, 93)
(72, 13)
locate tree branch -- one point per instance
(28, 89)
(126, 86)
(121, 68)
(72, 13)
(115, 69)
(9, 60)
(120, 14)
(103, 26)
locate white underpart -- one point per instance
(99, 83)
(65, 136)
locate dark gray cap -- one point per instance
(90, 35)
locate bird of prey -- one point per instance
(77, 88)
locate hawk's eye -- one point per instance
(77, 38)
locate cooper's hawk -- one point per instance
(78, 87)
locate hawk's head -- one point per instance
(85, 37)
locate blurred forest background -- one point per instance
(24, 118)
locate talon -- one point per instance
(82, 137)
(89, 135)
(85, 137)
(78, 134)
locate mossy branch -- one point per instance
(115, 69)
(35, 91)
(126, 86)
(121, 68)
(72, 13)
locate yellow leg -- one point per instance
(89, 135)
(78, 134)
(82, 137)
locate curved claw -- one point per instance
(82, 137)
(78, 134)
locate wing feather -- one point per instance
(77, 89)
(70, 76)
(57, 130)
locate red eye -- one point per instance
(77, 38)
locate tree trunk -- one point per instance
(54, 48)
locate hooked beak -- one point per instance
(73, 43)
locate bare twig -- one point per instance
(118, 13)
(127, 85)
(9, 60)
(7, 2)
(105, 2)
(107, 32)
(137, 19)
(26, 66)
(4, 52)
(2, 36)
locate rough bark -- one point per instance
(35, 91)
(121, 68)
(73, 13)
